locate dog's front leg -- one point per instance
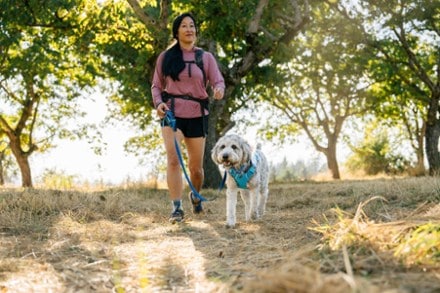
(262, 200)
(245, 196)
(254, 214)
(231, 204)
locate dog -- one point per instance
(247, 172)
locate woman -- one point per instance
(179, 86)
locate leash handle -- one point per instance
(170, 119)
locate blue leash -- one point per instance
(171, 120)
(222, 184)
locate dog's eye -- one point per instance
(222, 146)
(234, 147)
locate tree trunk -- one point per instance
(432, 152)
(2, 177)
(432, 135)
(419, 169)
(23, 163)
(420, 164)
(212, 173)
(26, 178)
(332, 162)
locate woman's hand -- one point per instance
(218, 93)
(160, 110)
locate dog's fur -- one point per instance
(232, 151)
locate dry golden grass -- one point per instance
(379, 235)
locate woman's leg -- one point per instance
(196, 149)
(174, 174)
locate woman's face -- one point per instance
(187, 31)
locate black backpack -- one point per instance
(199, 62)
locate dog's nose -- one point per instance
(225, 156)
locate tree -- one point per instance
(3, 149)
(326, 82)
(405, 37)
(375, 154)
(242, 34)
(7, 167)
(42, 73)
(397, 107)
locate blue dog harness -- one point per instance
(242, 176)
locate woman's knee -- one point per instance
(173, 162)
(196, 172)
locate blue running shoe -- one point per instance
(196, 202)
(177, 216)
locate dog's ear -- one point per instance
(247, 151)
(214, 153)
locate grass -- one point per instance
(379, 235)
(421, 246)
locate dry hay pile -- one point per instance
(363, 236)
(399, 253)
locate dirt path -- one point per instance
(120, 240)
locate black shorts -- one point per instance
(191, 127)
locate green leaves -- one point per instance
(44, 69)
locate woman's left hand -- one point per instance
(218, 93)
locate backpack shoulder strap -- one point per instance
(199, 63)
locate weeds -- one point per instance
(347, 230)
(390, 243)
(420, 246)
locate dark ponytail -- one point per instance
(173, 62)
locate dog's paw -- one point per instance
(230, 226)
(255, 216)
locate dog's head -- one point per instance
(231, 151)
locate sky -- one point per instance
(77, 158)
(115, 166)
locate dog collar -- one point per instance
(243, 174)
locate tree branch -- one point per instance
(256, 51)
(145, 18)
(255, 22)
(413, 62)
(157, 28)
(28, 106)
(5, 127)
(300, 20)
(9, 93)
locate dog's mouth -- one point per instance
(226, 163)
(226, 160)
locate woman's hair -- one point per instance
(173, 62)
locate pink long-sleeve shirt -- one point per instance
(192, 86)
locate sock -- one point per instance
(177, 204)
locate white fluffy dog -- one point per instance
(247, 172)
